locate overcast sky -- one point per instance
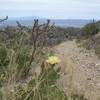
(57, 9)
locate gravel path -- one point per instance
(80, 70)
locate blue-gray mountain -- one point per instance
(28, 21)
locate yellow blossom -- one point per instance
(53, 60)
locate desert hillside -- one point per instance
(47, 62)
(80, 70)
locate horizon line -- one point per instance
(39, 17)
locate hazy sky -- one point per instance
(67, 9)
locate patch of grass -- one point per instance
(81, 43)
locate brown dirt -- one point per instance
(80, 70)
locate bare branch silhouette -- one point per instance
(2, 20)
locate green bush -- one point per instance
(4, 61)
(89, 30)
(3, 55)
(42, 87)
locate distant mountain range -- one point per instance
(28, 21)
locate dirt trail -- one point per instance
(81, 70)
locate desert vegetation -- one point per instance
(90, 37)
(29, 70)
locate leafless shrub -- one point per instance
(39, 36)
(2, 20)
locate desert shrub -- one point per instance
(16, 55)
(3, 55)
(42, 86)
(89, 30)
(72, 32)
(56, 36)
(22, 60)
(4, 61)
(92, 43)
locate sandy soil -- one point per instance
(80, 70)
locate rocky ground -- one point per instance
(80, 70)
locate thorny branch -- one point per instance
(39, 36)
(2, 20)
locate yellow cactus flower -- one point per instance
(53, 60)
